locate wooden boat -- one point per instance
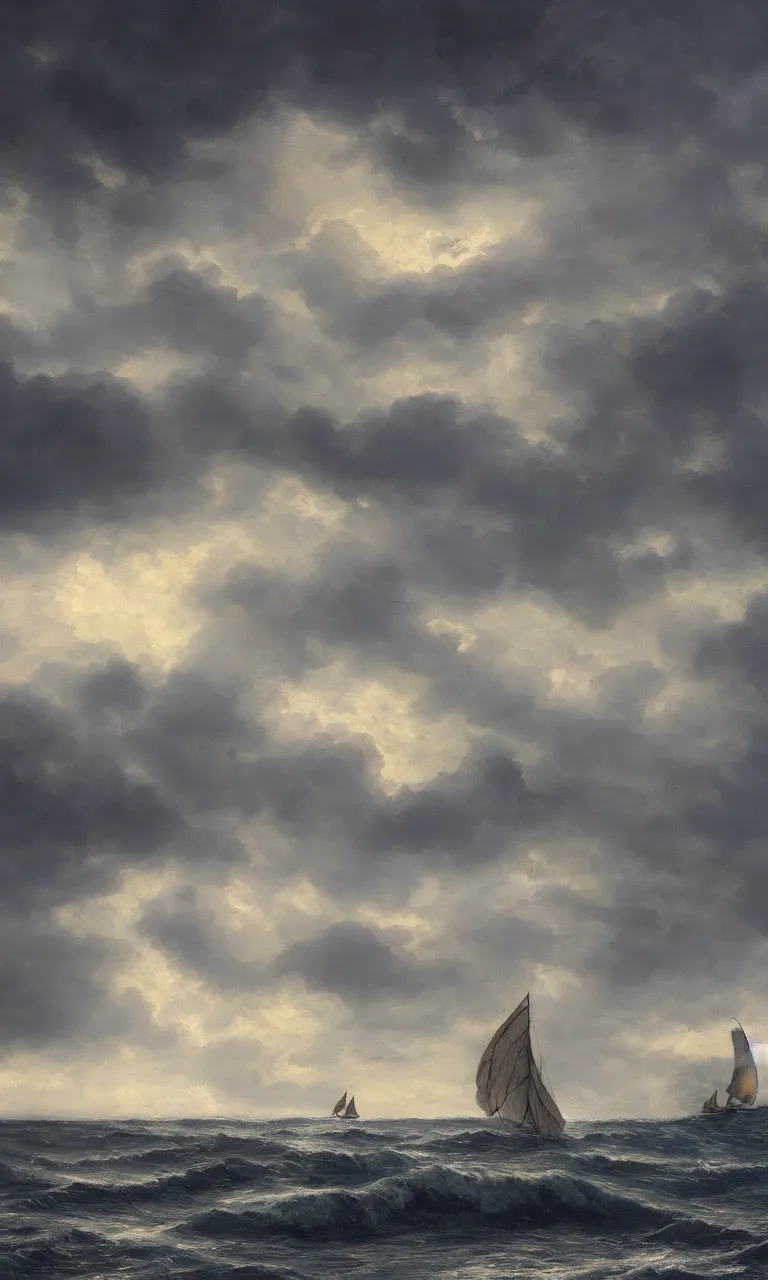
(742, 1091)
(345, 1110)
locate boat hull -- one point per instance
(726, 1111)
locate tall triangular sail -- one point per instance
(743, 1086)
(340, 1105)
(351, 1111)
(509, 1083)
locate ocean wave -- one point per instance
(73, 1134)
(154, 1156)
(13, 1180)
(70, 1252)
(435, 1195)
(319, 1167)
(503, 1139)
(225, 1175)
(217, 1144)
(244, 1144)
(248, 1272)
(757, 1252)
(312, 1169)
(697, 1234)
(355, 1136)
(674, 1272)
(625, 1167)
(705, 1181)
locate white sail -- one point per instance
(340, 1105)
(351, 1111)
(509, 1083)
(743, 1086)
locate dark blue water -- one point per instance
(294, 1199)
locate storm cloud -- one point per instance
(383, 525)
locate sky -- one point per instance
(384, 543)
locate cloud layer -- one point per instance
(382, 472)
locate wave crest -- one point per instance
(434, 1195)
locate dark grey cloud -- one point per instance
(435, 90)
(446, 311)
(475, 503)
(326, 795)
(360, 963)
(56, 987)
(187, 311)
(605, 775)
(738, 652)
(637, 938)
(191, 736)
(655, 801)
(369, 610)
(71, 820)
(115, 687)
(188, 932)
(73, 447)
(476, 506)
(487, 295)
(476, 812)
(663, 796)
(70, 813)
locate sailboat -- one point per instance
(742, 1091)
(509, 1082)
(345, 1110)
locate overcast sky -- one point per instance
(384, 536)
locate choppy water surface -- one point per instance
(301, 1199)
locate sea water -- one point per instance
(299, 1199)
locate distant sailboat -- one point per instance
(345, 1110)
(742, 1091)
(509, 1083)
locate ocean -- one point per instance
(299, 1199)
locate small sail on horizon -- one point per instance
(742, 1090)
(351, 1111)
(340, 1105)
(509, 1082)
